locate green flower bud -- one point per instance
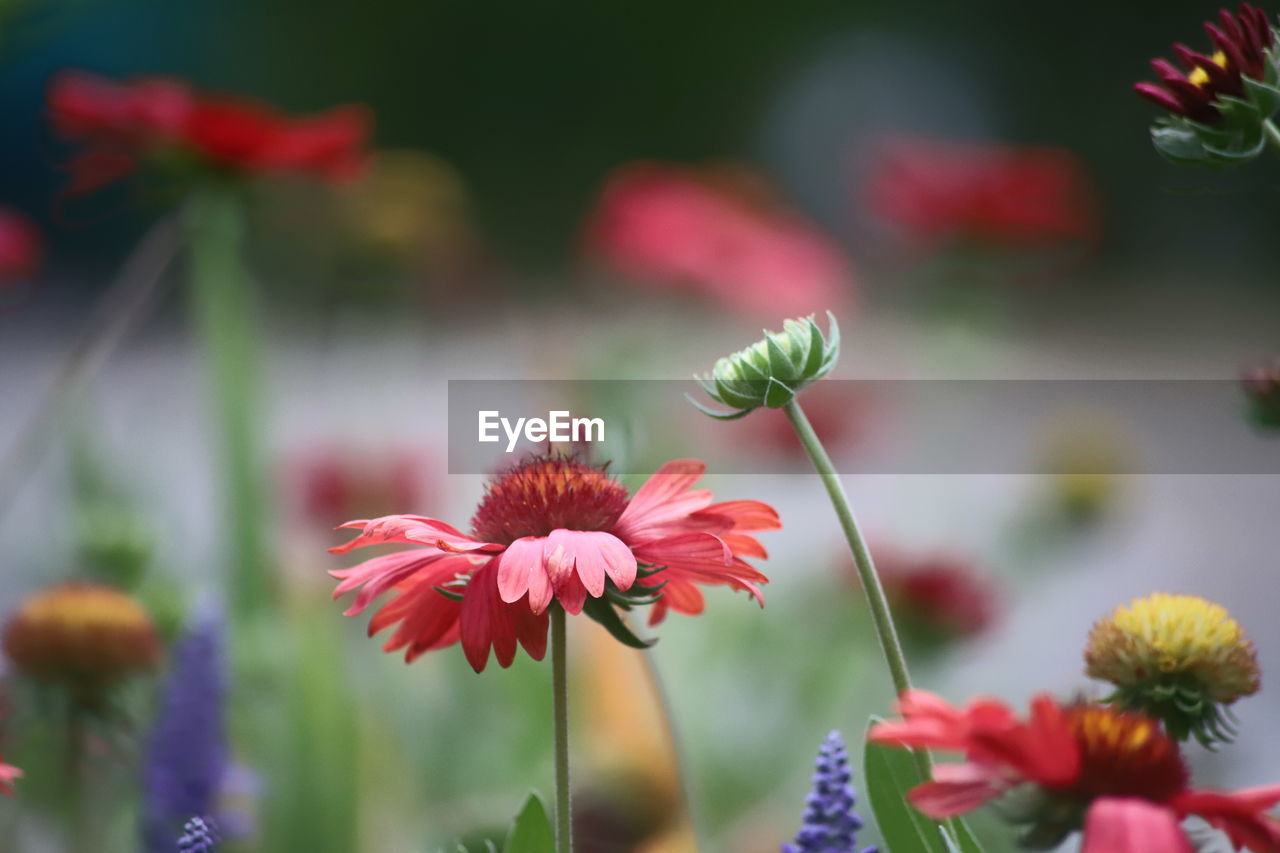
(772, 371)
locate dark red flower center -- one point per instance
(544, 494)
(1125, 754)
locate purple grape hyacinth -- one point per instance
(186, 751)
(830, 823)
(199, 836)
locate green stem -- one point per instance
(881, 616)
(224, 313)
(560, 705)
(1272, 132)
(120, 310)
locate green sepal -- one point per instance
(450, 594)
(531, 830)
(602, 611)
(720, 416)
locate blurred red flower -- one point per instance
(21, 248)
(330, 485)
(121, 124)
(721, 232)
(937, 597)
(939, 190)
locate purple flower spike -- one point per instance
(830, 823)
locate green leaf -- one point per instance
(888, 774)
(531, 832)
(962, 837)
(602, 611)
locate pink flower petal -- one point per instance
(521, 567)
(8, 775)
(664, 497)
(412, 529)
(957, 789)
(1132, 826)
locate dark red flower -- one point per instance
(121, 124)
(937, 597)
(21, 248)
(1240, 44)
(940, 190)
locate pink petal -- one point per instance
(382, 573)
(411, 529)
(572, 595)
(479, 620)
(956, 789)
(8, 775)
(521, 567)
(1132, 826)
(559, 557)
(615, 558)
(664, 497)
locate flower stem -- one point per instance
(560, 705)
(1272, 132)
(224, 313)
(118, 312)
(881, 616)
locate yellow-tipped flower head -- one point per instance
(1177, 657)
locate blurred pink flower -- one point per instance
(721, 232)
(937, 191)
(21, 248)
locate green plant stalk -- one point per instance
(1272, 132)
(881, 616)
(223, 304)
(560, 710)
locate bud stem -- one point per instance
(881, 616)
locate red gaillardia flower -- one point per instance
(553, 530)
(938, 191)
(122, 124)
(1115, 774)
(721, 232)
(1241, 42)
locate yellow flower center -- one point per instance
(1200, 77)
